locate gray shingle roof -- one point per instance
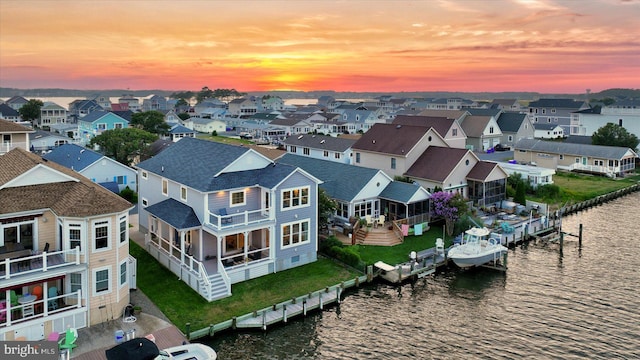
(341, 181)
(598, 151)
(556, 103)
(320, 142)
(545, 126)
(510, 121)
(400, 191)
(73, 156)
(175, 213)
(484, 112)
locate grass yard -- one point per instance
(181, 304)
(578, 187)
(225, 139)
(400, 253)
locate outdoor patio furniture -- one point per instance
(69, 339)
(223, 216)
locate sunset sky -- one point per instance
(548, 46)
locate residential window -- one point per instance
(577, 160)
(145, 175)
(357, 158)
(101, 280)
(102, 126)
(295, 233)
(237, 198)
(183, 193)
(553, 111)
(363, 209)
(342, 209)
(325, 153)
(75, 282)
(145, 202)
(123, 273)
(117, 126)
(121, 180)
(337, 155)
(75, 236)
(101, 234)
(393, 163)
(123, 229)
(292, 149)
(454, 132)
(293, 198)
(561, 157)
(490, 129)
(165, 187)
(548, 120)
(510, 138)
(544, 111)
(305, 151)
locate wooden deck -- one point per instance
(378, 236)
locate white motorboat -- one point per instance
(476, 249)
(188, 351)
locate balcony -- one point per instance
(39, 309)
(20, 262)
(222, 221)
(8, 146)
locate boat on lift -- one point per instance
(476, 249)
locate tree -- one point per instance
(520, 197)
(326, 208)
(181, 103)
(124, 144)
(151, 121)
(448, 206)
(614, 135)
(184, 116)
(31, 110)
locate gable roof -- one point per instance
(79, 198)
(99, 114)
(511, 121)
(450, 114)
(73, 156)
(340, 181)
(504, 102)
(545, 126)
(436, 163)
(320, 142)
(484, 112)
(179, 129)
(7, 126)
(475, 125)
(482, 170)
(401, 191)
(8, 111)
(556, 147)
(441, 124)
(557, 103)
(390, 138)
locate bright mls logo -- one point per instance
(43, 350)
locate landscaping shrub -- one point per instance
(549, 191)
(327, 245)
(129, 195)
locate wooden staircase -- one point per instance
(380, 236)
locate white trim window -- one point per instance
(74, 235)
(75, 283)
(183, 193)
(101, 280)
(237, 198)
(144, 175)
(295, 233)
(101, 235)
(123, 273)
(165, 187)
(145, 202)
(295, 198)
(124, 229)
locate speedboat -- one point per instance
(194, 351)
(476, 249)
(145, 349)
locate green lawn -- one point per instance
(182, 305)
(578, 187)
(400, 253)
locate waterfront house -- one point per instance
(514, 126)
(459, 171)
(205, 125)
(625, 114)
(154, 102)
(555, 111)
(97, 122)
(242, 107)
(320, 147)
(93, 165)
(534, 175)
(612, 161)
(393, 148)
(133, 103)
(81, 108)
(447, 127)
(51, 114)
(217, 214)
(506, 104)
(64, 245)
(16, 102)
(9, 113)
(177, 132)
(14, 136)
(360, 192)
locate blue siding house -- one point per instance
(95, 166)
(96, 122)
(218, 214)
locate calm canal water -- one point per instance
(583, 305)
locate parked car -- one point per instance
(500, 147)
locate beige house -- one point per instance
(611, 161)
(447, 127)
(394, 148)
(13, 136)
(64, 245)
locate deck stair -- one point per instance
(218, 289)
(380, 236)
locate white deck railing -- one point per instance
(39, 262)
(238, 219)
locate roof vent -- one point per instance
(373, 141)
(322, 141)
(300, 137)
(398, 126)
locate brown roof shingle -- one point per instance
(9, 126)
(70, 198)
(481, 170)
(436, 163)
(441, 124)
(390, 138)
